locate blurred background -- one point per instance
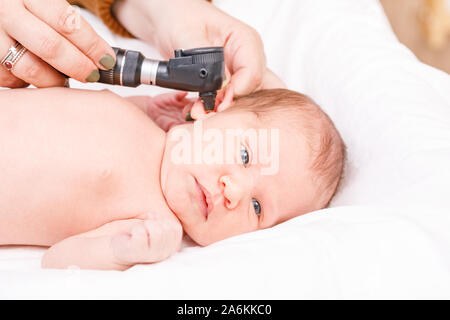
(424, 27)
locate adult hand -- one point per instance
(58, 39)
(174, 24)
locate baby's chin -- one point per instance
(193, 223)
(198, 237)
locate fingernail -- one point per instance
(225, 81)
(188, 117)
(94, 76)
(108, 61)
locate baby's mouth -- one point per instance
(205, 199)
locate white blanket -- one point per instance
(386, 234)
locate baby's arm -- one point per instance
(118, 245)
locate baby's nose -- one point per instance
(232, 192)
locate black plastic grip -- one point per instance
(131, 75)
(127, 71)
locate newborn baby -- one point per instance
(92, 176)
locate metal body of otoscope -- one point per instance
(200, 70)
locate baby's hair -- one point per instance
(300, 113)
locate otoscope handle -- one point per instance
(199, 70)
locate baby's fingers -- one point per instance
(158, 241)
(131, 248)
(173, 99)
(167, 122)
(165, 238)
(179, 96)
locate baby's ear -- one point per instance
(223, 101)
(198, 111)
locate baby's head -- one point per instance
(271, 156)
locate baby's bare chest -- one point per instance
(43, 210)
(74, 184)
(72, 161)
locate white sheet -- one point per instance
(387, 232)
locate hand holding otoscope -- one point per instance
(200, 70)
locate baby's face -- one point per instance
(230, 174)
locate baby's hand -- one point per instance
(166, 110)
(150, 240)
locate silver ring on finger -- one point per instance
(13, 56)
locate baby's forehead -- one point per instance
(265, 118)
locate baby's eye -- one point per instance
(244, 156)
(256, 206)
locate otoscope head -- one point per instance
(212, 70)
(201, 70)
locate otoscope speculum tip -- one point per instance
(208, 100)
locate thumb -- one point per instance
(193, 40)
(271, 80)
(246, 80)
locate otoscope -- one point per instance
(200, 70)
